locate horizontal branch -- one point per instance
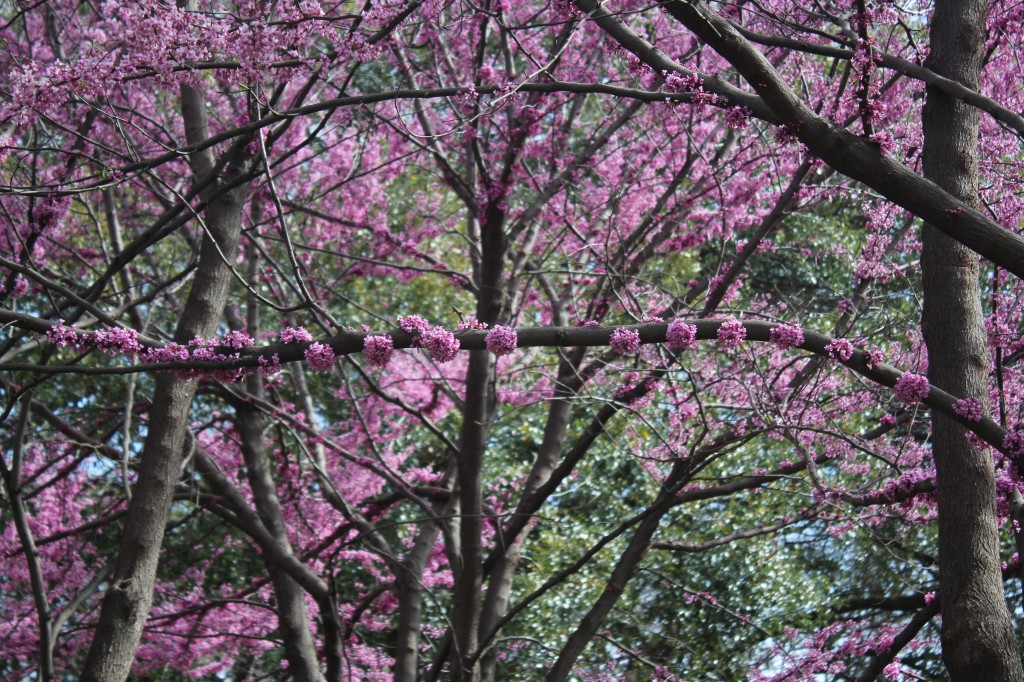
(350, 343)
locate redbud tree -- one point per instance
(540, 340)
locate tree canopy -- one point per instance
(539, 340)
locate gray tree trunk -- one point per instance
(978, 641)
(129, 594)
(292, 618)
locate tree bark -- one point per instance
(409, 579)
(292, 618)
(129, 594)
(978, 641)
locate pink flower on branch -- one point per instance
(840, 349)
(786, 336)
(320, 357)
(440, 344)
(625, 341)
(414, 325)
(295, 335)
(911, 388)
(1013, 443)
(737, 118)
(970, 409)
(238, 340)
(680, 335)
(378, 350)
(63, 336)
(269, 366)
(731, 333)
(501, 340)
(117, 341)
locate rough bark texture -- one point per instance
(409, 579)
(978, 641)
(292, 618)
(130, 592)
(477, 415)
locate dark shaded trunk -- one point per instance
(410, 589)
(292, 618)
(978, 641)
(129, 595)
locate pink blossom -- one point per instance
(378, 350)
(911, 388)
(172, 352)
(786, 336)
(788, 133)
(295, 335)
(19, 288)
(970, 409)
(625, 341)
(1013, 443)
(501, 340)
(840, 349)
(737, 118)
(238, 340)
(441, 344)
(470, 323)
(320, 357)
(269, 366)
(731, 333)
(116, 341)
(680, 336)
(414, 324)
(885, 142)
(63, 336)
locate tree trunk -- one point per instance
(299, 647)
(129, 595)
(978, 641)
(410, 588)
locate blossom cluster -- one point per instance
(501, 340)
(970, 409)
(737, 118)
(840, 349)
(202, 350)
(295, 335)
(378, 350)
(911, 388)
(732, 333)
(625, 341)
(680, 336)
(414, 325)
(440, 344)
(113, 342)
(1013, 443)
(786, 336)
(320, 357)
